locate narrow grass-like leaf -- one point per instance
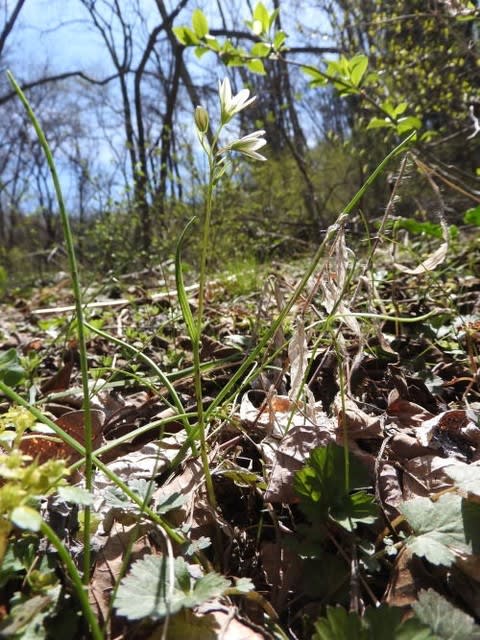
(68, 236)
(182, 294)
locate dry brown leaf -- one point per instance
(405, 581)
(277, 414)
(45, 445)
(436, 258)
(454, 422)
(425, 475)
(405, 446)
(298, 356)
(109, 563)
(406, 414)
(356, 422)
(292, 453)
(389, 489)
(188, 483)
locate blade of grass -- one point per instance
(78, 308)
(195, 331)
(80, 588)
(192, 328)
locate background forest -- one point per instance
(119, 121)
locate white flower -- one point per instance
(230, 105)
(249, 145)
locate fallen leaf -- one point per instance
(429, 264)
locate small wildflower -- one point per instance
(249, 145)
(201, 119)
(230, 105)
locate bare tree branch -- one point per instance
(10, 24)
(57, 78)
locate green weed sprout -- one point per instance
(217, 155)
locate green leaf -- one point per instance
(279, 39)
(445, 620)
(211, 585)
(389, 108)
(260, 14)
(242, 585)
(148, 592)
(200, 51)
(116, 498)
(321, 485)
(273, 16)
(424, 228)
(472, 216)
(213, 43)
(443, 529)
(182, 294)
(318, 80)
(256, 27)
(385, 623)
(174, 501)
(410, 123)
(26, 518)
(256, 66)
(380, 123)
(327, 577)
(357, 507)
(379, 623)
(185, 36)
(339, 625)
(27, 616)
(400, 108)
(199, 23)
(358, 65)
(11, 371)
(260, 50)
(76, 495)
(466, 477)
(193, 547)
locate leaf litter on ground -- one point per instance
(397, 528)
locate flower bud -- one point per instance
(201, 119)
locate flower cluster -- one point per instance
(230, 105)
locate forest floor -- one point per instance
(345, 463)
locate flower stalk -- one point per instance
(248, 146)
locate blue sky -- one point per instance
(59, 34)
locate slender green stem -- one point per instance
(205, 247)
(80, 588)
(197, 342)
(79, 313)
